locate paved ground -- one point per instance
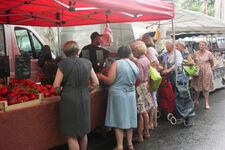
(207, 133)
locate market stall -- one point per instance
(36, 126)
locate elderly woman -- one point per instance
(151, 55)
(144, 99)
(168, 61)
(204, 82)
(185, 54)
(73, 75)
(121, 109)
(169, 69)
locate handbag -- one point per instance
(191, 70)
(155, 79)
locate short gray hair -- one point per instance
(181, 43)
(70, 48)
(170, 42)
(139, 47)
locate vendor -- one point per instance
(94, 53)
(45, 55)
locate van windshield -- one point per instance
(23, 42)
(28, 43)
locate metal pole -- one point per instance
(204, 6)
(59, 41)
(174, 49)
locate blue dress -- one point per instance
(121, 108)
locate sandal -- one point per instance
(151, 126)
(130, 147)
(196, 102)
(138, 139)
(146, 134)
(207, 107)
(117, 148)
(155, 124)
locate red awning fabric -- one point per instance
(82, 12)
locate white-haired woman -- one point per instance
(144, 99)
(185, 54)
(168, 61)
(204, 82)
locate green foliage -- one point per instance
(197, 5)
(211, 11)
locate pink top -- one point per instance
(143, 65)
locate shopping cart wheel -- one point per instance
(158, 113)
(173, 120)
(169, 116)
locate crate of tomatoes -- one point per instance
(20, 93)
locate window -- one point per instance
(28, 43)
(23, 42)
(37, 45)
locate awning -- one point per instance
(82, 12)
(189, 22)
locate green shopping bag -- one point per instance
(190, 70)
(155, 79)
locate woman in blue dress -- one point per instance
(121, 109)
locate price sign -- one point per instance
(4, 66)
(22, 67)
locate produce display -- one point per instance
(18, 91)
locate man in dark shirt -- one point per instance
(94, 53)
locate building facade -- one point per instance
(220, 9)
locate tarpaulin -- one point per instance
(82, 12)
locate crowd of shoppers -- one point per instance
(130, 103)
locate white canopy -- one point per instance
(192, 22)
(186, 23)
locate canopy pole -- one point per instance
(58, 51)
(174, 50)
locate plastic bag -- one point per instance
(155, 79)
(190, 70)
(107, 38)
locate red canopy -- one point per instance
(82, 12)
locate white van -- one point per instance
(21, 40)
(122, 34)
(24, 40)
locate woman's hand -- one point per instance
(99, 75)
(165, 71)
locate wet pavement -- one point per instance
(207, 132)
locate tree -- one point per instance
(197, 5)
